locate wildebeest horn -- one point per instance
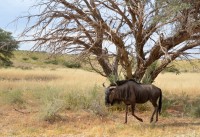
(104, 84)
(112, 87)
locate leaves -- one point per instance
(7, 45)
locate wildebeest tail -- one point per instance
(160, 102)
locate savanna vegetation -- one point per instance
(40, 98)
(7, 45)
(147, 40)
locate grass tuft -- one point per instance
(13, 97)
(91, 100)
(52, 104)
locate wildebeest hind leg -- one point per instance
(157, 114)
(155, 111)
(133, 109)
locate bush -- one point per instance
(196, 111)
(74, 100)
(166, 104)
(52, 104)
(182, 104)
(91, 100)
(34, 58)
(13, 97)
(51, 109)
(6, 64)
(196, 108)
(172, 69)
(96, 104)
(55, 62)
(144, 107)
(71, 64)
(25, 59)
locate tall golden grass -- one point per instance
(82, 123)
(77, 79)
(188, 83)
(61, 78)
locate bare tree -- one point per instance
(126, 34)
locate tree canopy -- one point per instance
(126, 36)
(7, 45)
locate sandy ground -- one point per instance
(16, 122)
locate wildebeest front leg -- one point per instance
(133, 109)
(126, 114)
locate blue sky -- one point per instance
(9, 11)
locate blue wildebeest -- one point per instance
(130, 92)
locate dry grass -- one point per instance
(25, 121)
(64, 78)
(84, 124)
(177, 84)
(187, 65)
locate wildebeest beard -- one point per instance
(108, 101)
(107, 93)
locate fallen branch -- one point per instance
(23, 111)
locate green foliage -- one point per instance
(25, 58)
(143, 107)
(12, 97)
(167, 12)
(72, 64)
(7, 46)
(55, 62)
(166, 104)
(196, 108)
(182, 104)
(52, 104)
(148, 75)
(92, 100)
(96, 104)
(75, 100)
(196, 111)
(34, 58)
(172, 69)
(112, 78)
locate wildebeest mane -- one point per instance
(121, 82)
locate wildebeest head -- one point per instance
(109, 95)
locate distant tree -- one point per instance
(126, 36)
(7, 46)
